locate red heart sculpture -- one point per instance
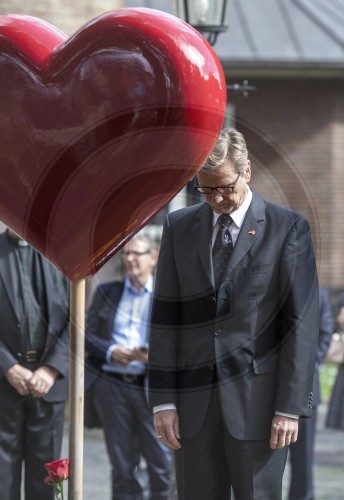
(100, 131)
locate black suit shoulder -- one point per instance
(110, 289)
(4, 246)
(188, 212)
(105, 298)
(282, 211)
(109, 285)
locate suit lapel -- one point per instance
(251, 230)
(114, 295)
(7, 265)
(52, 301)
(202, 231)
(49, 287)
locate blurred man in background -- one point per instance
(302, 452)
(117, 344)
(34, 362)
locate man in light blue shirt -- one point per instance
(127, 354)
(117, 342)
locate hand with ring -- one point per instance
(42, 381)
(166, 423)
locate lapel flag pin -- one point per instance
(251, 231)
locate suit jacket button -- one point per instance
(211, 367)
(217, 333)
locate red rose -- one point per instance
(58, 471)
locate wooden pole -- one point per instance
(76, 389)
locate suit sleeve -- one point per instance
(7, 360)
(58, 355)
(162, 359)
(299, 327)
(96, 344)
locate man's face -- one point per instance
(225, 176)
(139, 260)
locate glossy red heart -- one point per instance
(99, 132)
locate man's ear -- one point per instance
(247, 172)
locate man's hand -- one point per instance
(42, 381)
(18, 376)
(166, 423)
(283, 431)
(121, 355)
(138, 355)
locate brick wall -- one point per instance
(67, 15)
(295, 133)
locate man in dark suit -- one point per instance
(33, 367)
(302, 452)
(116, 342)
(234, 334)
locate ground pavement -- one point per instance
(329, 464)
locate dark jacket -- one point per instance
(56, 348)
(98, 339)
(259, 332)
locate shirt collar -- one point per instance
(238, 215)
(148, 287)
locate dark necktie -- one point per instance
(222, 248)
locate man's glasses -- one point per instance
(134, 254)
(220, 189)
